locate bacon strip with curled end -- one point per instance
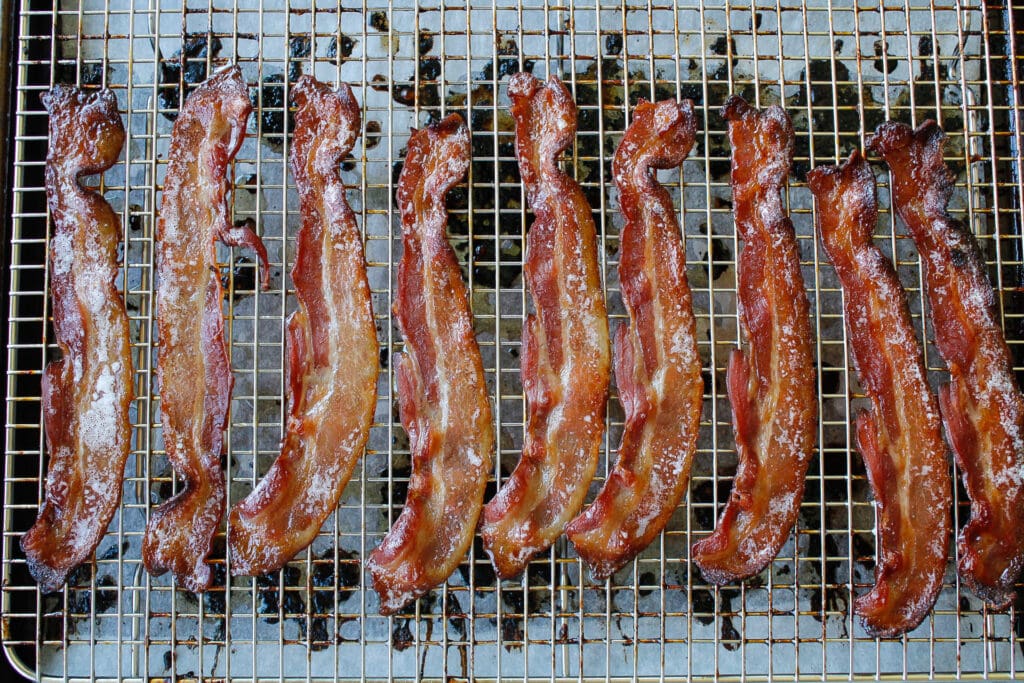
(192, 361)
(332, 348)
(87, 393)
(899, 437)
(982, 405)
(771, 387)
(565, 355)
(441, 389)
(657, 367)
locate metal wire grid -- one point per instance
(839, 72)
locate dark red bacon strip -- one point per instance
(192, 361)
(899, 437)
(657, 367)
(87, 392)
(771, 386)
(565, 364)
(982, 405)
(332, 347)
(441, 390)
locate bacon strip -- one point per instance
(657, 367)
(441, 389)
(565, 364)
(332, 348)
(192, 362)
(771, 386)
(86, 394)
(899, 437)
(982, 406)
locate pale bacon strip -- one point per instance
(332, 348)
(771, 386)
(192, 362)
(982, 405)
(87, 392)
(440, 377)
(899, 437)
(565, 355)
(657, 368)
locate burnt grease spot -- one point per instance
(340, 48)
(273, 108)
(188, 68)
(379, 21)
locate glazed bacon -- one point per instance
(192, 361)
(86, 394)
(899, 437)
(982, 406)
(441, 390)
(332, 348)
(565, 364)
(657, 368)
(771, 386)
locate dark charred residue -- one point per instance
(401, 637)
(348, 163)
(702, 605)
(882, 63)
(646, 579)
(721, 257)
(372, 137)
(270, 602)
(340, 48)
(135, 217)
(730, 636)
(249, 183)
(425, 42)
(404, 94)
(379, 21)
(430, 69)
(273, 108)
(379, 83)
(186, 69)
(299, 48)
(613, 44)
(385, 357)
(723, 46)
(91, 74)
(242, 281)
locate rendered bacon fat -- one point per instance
(657, 368)
(565, 364)
(332, 348)
(982, 406)
(771, 386)
(192, 362)
(899, 437)
(441, 390)
(86, 394)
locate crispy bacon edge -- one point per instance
(899, 437)
(86, 394)
(192, 361)
(982, 406)
(657, 366)
(565, 354)
(771, 386)
(333, 356)
(442, 393)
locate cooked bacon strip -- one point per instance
(899, 437)
(441, 388)
(657, 367)
(192, 362)
(565, 355)
(771, 386)
(332, 348)
(86, 394)
(982, 406)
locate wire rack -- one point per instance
(839, 72)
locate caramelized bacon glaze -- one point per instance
(441, 389)
(332, 347)
(982, 405)
(657, 367)
(565, 356)
(192, 361)
(85, 394)
(771, 386)
(899, 437)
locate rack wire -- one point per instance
(838, 69)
